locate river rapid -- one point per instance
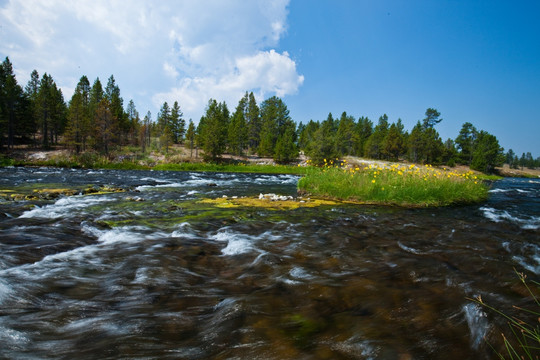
(152, 273)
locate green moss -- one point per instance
(226, 203)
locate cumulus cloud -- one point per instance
(185, 51)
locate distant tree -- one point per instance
(450, 153)
(465, 142)
(52, 110)
(394, 143)
(509, 159)
(106, 129)
(76, 116)
(375, 143)
(433, 147)
(116, 105)
(324, 142)
(31, 90)
(487, 153)
(145, 131)
(529, 161)
(190, 137)
(253, 122)
(177, 124)
(346, 135)
(133, 122)
(275, 120)
(364, 129)
(320, 148)
(213, 130)
(11, 100)
(286, 149)
(238, 131)
(306, 135)
(416, 144)
(432, 118)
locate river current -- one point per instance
(152, 273)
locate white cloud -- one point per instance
(266, 72)
(185, 51)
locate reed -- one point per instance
(395, 185)
(523, 340)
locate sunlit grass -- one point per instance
(410, 185)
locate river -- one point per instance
(152, 273)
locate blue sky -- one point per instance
(475, 61)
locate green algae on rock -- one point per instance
(258, 202)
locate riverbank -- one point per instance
(353, 179)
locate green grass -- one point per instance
(397, 185)
(238, 168)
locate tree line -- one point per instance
(95, 119)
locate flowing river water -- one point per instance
(153, 273)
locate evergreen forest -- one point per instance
(97, 119)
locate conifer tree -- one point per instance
(487, 153)
(106, 127)
(190, 137)
(346, 134)
(393, 144)
(465, 142)
(213, 130)
(253, 122)
(364, 129)
(177, 124)
(11, 100)
(133, 121)
(237, 132)
(375, 143)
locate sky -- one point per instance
(474, 61)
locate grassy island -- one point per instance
(395, 184)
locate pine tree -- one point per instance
(346, 134)
(74, 132)
(134, 122)
(393, 143)
(432, 118)
(253, 122)
(275, 121)
(487, 153)
(237, 132)
(106, 127)
(12, 99)
(177, 124)
(364, 129)
(416, 143)
(213, 130)
(116, 105)
(286, 149)
(190, 137)
(465, 142)
(375, 143)
(31, 90)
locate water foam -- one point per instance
(63, 207)
(237, 243)
(495, 215)
(477, 322)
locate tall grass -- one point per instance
(523, 340)
(397, 184)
